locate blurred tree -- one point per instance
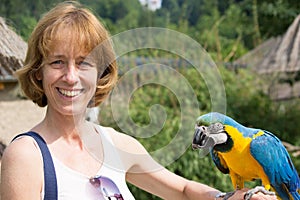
(246, 102)
(247, 20)
(275, 16)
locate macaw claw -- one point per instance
(225, 195)
(255, 190)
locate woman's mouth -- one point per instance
(69, 93)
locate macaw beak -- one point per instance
(208, 137)
(200, 137)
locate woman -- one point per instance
(70, 66)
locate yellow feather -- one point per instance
(241, 164)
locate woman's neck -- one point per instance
(58, 125)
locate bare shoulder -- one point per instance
(135, 157)
(125, 142)
(21, 163)
(23, 146)
(23, 151)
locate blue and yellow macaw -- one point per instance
(247, 154)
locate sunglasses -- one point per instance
(107, 187)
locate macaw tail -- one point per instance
(284, 194)
(295, 195)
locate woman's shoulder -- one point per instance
(133, 154)
(24, 152)
(22, 148)
(124, 141)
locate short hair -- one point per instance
(87, 31)
(2, 148)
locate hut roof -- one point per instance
(280, 54)
(12, 52)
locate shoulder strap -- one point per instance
(49, 170)
(110, 151)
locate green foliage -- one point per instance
(271, 11)
(246, 102)
(23, 15)
(226, 28)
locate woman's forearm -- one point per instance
(195, 190)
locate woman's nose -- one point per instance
(71, 73)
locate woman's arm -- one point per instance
(144, 172)
(168, 185)
(147, 174)
(21, 171)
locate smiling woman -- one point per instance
(71, 81)
(69, 67)
(48, 46)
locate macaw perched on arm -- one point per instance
(247, 154)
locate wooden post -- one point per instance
(2, 86)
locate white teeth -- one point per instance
(69, 93)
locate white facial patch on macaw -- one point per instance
(219, 138)
(217, 133)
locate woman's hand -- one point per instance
(239, 195)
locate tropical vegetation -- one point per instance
(226, 30)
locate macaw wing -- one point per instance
(268, 150)
(219, 162)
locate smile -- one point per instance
(69, 93)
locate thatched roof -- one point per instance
(280, 54)
(12, 52)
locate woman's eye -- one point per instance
(84, 64)
(57, 64)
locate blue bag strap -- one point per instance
(50, 181)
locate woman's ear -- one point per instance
(38, 75)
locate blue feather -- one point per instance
(269, 152)
(277, 164)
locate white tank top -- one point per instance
(73, 185)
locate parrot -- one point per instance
(247, 154)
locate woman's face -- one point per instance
(69, 78)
